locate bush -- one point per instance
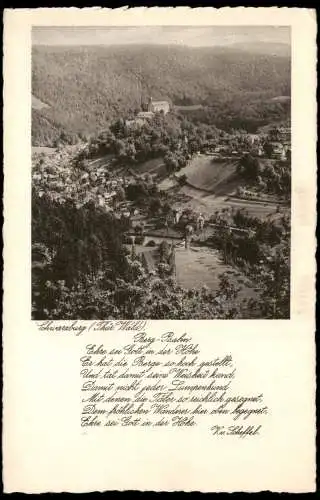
(152, 243)
(139, 240)
(182, 179)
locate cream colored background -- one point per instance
(44, 447)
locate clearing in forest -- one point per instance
(201, 266)
(37, 104)
(153, 166)
(211, 175)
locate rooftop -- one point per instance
(160, 102)
(145, 114)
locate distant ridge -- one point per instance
(268, 48)
(191, 36)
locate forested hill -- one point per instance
(85, 87)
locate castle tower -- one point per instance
(188, 235)
(133, 246)
(150, 103)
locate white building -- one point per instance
(158, 106)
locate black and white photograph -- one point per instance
(161, 172)
(160, 176)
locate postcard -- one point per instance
(159, 249)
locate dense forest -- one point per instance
(87, 87)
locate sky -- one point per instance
(194, 36)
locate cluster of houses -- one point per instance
(190, 226)
(58, 178)
(280, 151)
(282, 146)
(234, 146)
(278, 141)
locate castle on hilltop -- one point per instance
(158, 106)
(148, 111)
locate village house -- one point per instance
(253, 138)
(145, 115)
(200, 222)
(109, 196)
(285, 134)
(278, 151)
(136, 122)
(260, 152)
(287, 148)
(177, 215)
(222, 149)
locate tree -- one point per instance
(249, 168)
(268, 149)
(164, 251)
(155, 206)
(273, 274)
(130, 151)
(274, 134)
(118, 127)
(171, 162)
(120, 194)
(182, 179)
(120, 147)
(288, 155)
